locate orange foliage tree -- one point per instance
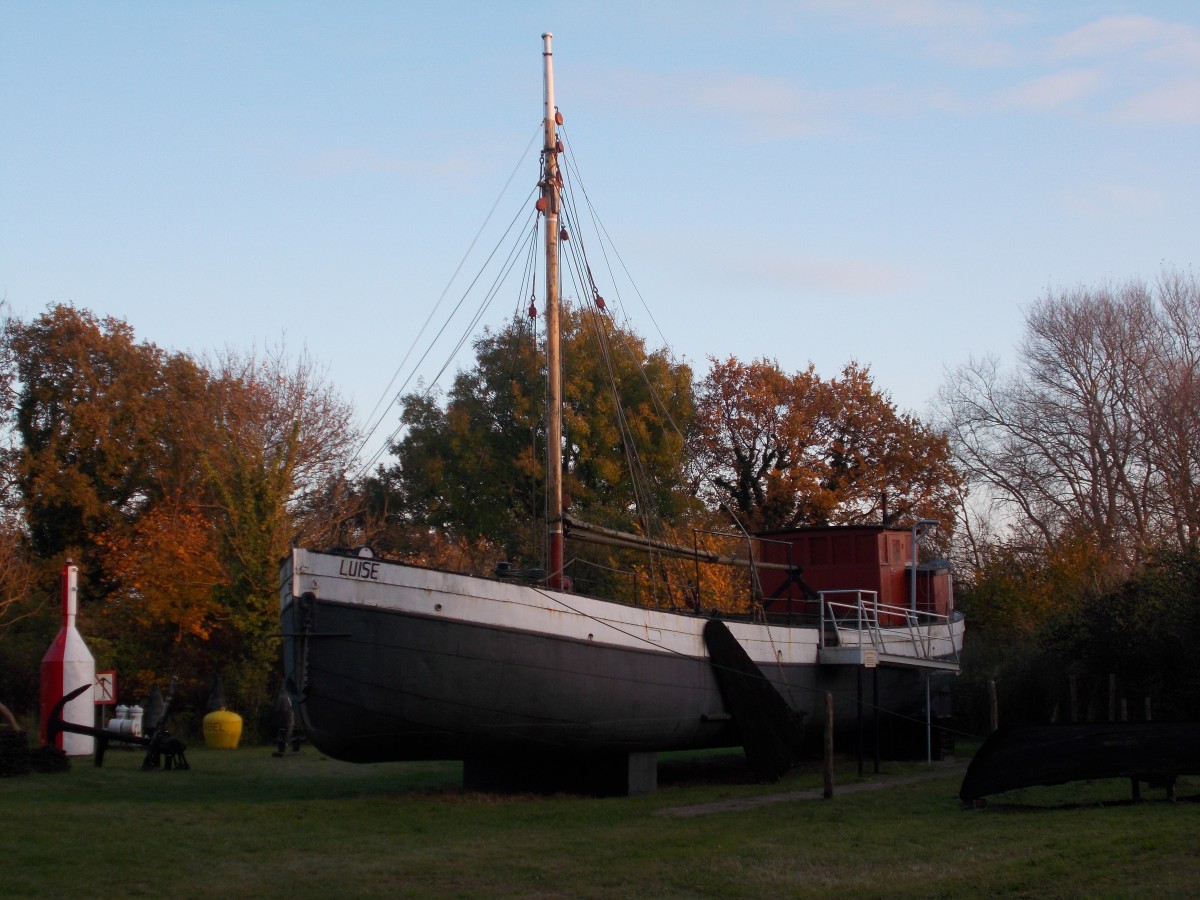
(175, 483)
(163, 606)
(781, 451)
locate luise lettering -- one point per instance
(359, 568)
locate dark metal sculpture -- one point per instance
(162, 750)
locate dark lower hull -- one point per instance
(374, 684)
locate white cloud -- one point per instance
(768, 108)
(760, 95)
(833, 277)
(1149, 67)
(1180, 46)
(1148, 37)
(975, 54)
(778, 105)
(1177, 103)
(958, 33)
(925, 15)
(842, 277)
(1133, 68)
(1106, 36)
(1051, 92)
(763, 107)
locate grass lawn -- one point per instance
(242, 823)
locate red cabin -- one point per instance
(851, 558)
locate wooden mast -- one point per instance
(550, 194)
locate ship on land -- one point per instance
(531, 681)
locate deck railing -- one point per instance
(857, 618)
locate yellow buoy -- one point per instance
(222, 730)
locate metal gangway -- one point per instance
(856, 629)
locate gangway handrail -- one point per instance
(862, 616)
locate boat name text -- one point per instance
(359, 568)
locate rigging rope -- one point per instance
(458, 345)
(399, 368)
(594, 317)
(607, 244)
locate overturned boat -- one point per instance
(1041, 755)
(536, 683)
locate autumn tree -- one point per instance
(16, 575)
(279, 447)
(88, 408)
(163, 606)
(884, 466)
(473, 463)
(781, 451)
(756, 438)
(175, 483)
(23, 625)
(90, 401)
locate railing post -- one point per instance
(928, 721)
(696, 564)
(859, 674)
(821, 621)
(828, 763)
(875, 712)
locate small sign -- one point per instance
(106, 688)
(870, 657)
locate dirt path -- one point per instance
(939, 770)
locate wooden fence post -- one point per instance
(828, 745)
(994, 705)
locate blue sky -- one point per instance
(818, 180)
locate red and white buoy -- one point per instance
(67, 665)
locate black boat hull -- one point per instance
(373, 683)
